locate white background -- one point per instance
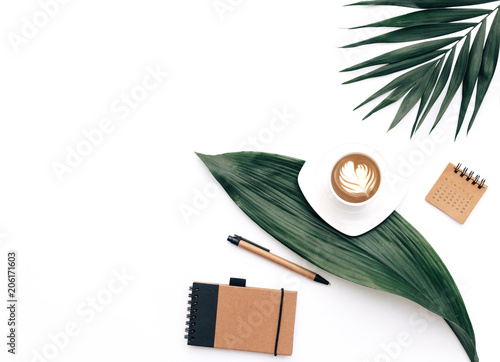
(119, 210)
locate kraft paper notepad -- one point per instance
(457, 192)
(241, 318)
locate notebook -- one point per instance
(457, 192)
(243, 318)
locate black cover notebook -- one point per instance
(243, 318)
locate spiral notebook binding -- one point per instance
(191, 317)
(476, 180)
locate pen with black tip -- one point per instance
(260, 250)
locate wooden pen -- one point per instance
(260, 250)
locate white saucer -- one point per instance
(314, 179)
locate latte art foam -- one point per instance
(356, 181)
(355, 178)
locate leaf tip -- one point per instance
(202, 156)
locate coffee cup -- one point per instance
(355, 179)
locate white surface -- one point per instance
(351, 219)
(120, 207)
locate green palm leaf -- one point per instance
(473, 69)
(393, 257)
(439, 86)
(411, 99)
(427, 94)
(393, 97)
(424, 17)
(456, 79)
(413, 33)
(488, 65)
(407, 78)
(424, 4)
(471, 73)
(396, 67)
(405, 53)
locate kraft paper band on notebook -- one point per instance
(457, 192)
(242, 318)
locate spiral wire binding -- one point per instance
(192, 309)
(470, 175)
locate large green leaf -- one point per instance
(393, 257)
(472, 70)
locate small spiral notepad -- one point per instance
(457, 192)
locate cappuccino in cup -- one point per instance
(355, 178)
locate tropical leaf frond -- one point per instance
(407, 78)
(426, 94)
(439, 86)
(411, 99)
(408, 52)
(424, 4)
(472, 69)
(396, 67)
(424, 17)
(414, 33)
(488, 65)
(456, 79)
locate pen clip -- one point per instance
(251, 242)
